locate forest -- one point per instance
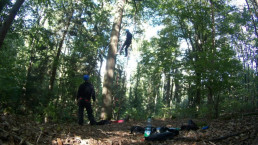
(188, 60)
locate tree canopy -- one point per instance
(201, 63)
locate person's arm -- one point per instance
(93, 94)
(79, 92)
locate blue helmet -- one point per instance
(126, 30)
(86, 77)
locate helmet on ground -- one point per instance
(86, 77)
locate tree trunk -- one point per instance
(212, 51)
(213, 26)
(27, 85)
(217, 106)
(164, 88)
(56, 60)
(190, 96)
(168, 91)
(210, 96)
(253, 20)
(9, 20)
(177, 89)
(110, 65)
(197, 101)
(171, 93)
(135, 98)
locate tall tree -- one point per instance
(111, 60)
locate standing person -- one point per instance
(127, 42)
(85, 93)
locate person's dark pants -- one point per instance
(85, 104)
(126, 45)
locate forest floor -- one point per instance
(16, 130)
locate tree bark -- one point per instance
(216, 106)
(171, 92)
(177, 89)
(168, 90)
(213, 51)
(111, 61)
(213, 26)
(210, 96)
(7, 24)
(137, 84)
(197, 101)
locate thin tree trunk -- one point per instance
(135, 98)
(210, 96)
(213, 26)
(217, 107)
(213, 51)
(168, 91)
(177, 89)
(171, 93)
(248, 79)
(56, 60)
(197, 101)
(27, 84)
(164, 88)
(110, 65)
(255, 29)
(7, 24)
(210, 102)
(255, 6)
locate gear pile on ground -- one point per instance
(20, 130)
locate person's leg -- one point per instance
(80, 113)
(120, 51)
(126, 49)
(90, 115)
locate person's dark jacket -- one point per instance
(129, 37)
(86, 91)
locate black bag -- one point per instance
(137, 129)
(103, 122)
(160, 136)
(190, 126)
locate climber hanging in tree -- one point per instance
(127, 42)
